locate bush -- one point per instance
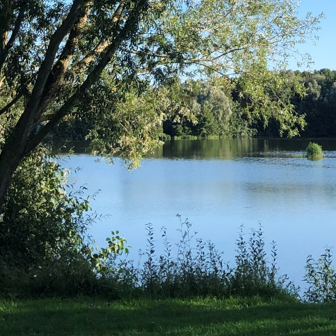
(44, 245)
(314, 151)
(185, 137)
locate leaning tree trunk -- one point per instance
(10, 158)
(7, 169)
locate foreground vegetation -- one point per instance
(86, 316)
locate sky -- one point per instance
(323, 53)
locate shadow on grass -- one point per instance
(169, 317)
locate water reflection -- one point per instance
(227, 149)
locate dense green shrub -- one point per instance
(40, 220)
(44, 245)
(314, 151)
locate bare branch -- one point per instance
(56, 76)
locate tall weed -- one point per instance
(198, 268)
(321, 278)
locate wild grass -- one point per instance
(195, 268)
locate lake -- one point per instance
(220, 185)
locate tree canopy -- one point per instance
(94, 59)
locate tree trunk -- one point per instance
(10, 158)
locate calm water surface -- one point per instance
(220, 185)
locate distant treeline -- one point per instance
(198, 108)
(318, 105)
(223, 113)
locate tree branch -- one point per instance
(5, 19)
(129, 26)
(19, 136)
(7, 46)
(13, 102)
(56, 76)
(102, 45)
(17, 26)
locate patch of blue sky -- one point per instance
(323, 50)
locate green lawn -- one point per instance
(169, 317)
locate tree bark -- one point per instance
(10, 159)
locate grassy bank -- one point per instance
(84, 316)
(193, 293)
